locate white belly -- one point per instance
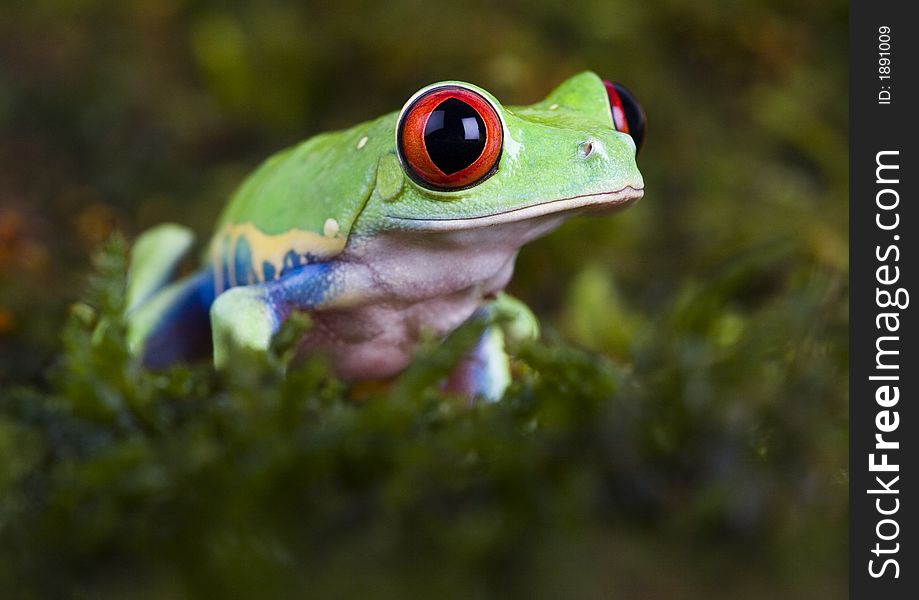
(401, 287)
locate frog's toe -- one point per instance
(515, 318)
(244, 318)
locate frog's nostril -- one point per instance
(585, 148)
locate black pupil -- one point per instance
(454, 135)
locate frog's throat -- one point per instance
(616, 199)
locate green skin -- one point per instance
(384, 261)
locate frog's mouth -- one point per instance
(606, 201)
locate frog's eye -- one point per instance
(449, 138)
(628, 117)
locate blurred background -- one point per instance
(723, 292)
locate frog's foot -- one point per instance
(485, 371)
(516, 320)
(245, 318)
(155, 258)
(248, 317)
(167, 320)
(172, 325)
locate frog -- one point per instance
(395, 231)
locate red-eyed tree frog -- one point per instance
(399, 227)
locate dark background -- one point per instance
(724, 291)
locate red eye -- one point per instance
(450, 138)
(628, 117)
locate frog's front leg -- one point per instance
(485, 371)
(250, 316)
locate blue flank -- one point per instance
(268, 270)
(224, 267)
(301, 282)
(291, 262)
(183, 330)
(237, 261)
(242, 262)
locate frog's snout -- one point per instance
(607, 160)
(595, 147)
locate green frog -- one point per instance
(401, 227)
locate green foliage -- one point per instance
(265, 482)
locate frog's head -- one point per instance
(464, 161)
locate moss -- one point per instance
(257, 482)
